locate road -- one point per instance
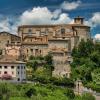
(97, 97)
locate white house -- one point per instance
(12, 70)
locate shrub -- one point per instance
(88, 96)
(30, 92)
(63, 82)
(69, 93)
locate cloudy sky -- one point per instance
(18, 12)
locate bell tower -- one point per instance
(78, 20)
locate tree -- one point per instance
(49, 63)
(48, 59)
(30, 92)
(86, 57)
(96, 76)
(95, 57)
(33, 64)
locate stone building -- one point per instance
(59, 40)
(7, 38)
(13, 50)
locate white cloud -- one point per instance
(8, 24)
(70, 5)
(56, 13)
(4, 25)
(44, 16)
(35, 16)
(97, 36)
(94, 20)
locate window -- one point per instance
(5, 72)
(69, 62)
(18, 72)
(27, 50)
(12, 67)
(0, 67)
(62, 31)
(0, 72)
(5, 67)
(31, 50)
(18, 79)
(18, 67)
(40, 51)
(12, 73)
(18, 42)
(7, 41)
(30, 31)
(63, 37)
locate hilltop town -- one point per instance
(37, 40)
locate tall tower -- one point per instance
(82, 30)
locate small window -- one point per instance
(18, 67)
(18, 79)
(12, 73)
(18, 72)
(63, 37)
(69, 62)
(12, 67)
(40, 51)
(7, 41)
(30, 31)
(27, 50)
(31, 50)
(62, 31)
(22, 67)
(0, 67)
(5, 67)
(5, 72)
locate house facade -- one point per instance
(12, 70)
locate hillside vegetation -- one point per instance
(38, 92)
(86, 64)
